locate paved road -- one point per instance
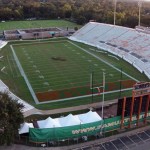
(145, 146)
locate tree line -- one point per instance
(80, 11)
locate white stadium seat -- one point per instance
(2, 43)
(131, 45)
(4, 88)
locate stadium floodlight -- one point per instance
(98, 88)
(115, 4)
(139, 5)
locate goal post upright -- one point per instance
(98, 87)
(91, 83)
(103, 96)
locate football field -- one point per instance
(61, 69)
(28, 24)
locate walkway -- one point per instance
(143, 146)
(68, 109)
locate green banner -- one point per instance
(111, 123)
(61, 133)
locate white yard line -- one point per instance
(24, 76)
(104, 61)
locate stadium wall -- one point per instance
(34, 34)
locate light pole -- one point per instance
(140, 5)
(115, 3)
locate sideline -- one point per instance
(24, 75)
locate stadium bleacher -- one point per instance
(2, 43)
(131, 45)
(4, 88)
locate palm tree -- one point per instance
(10, 118)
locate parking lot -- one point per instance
(122, 143)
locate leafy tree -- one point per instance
(81, 20)
(10, 118)
(75, 28)
(5, 13)
(67, 10)
(110, 17)
(146, 20)
(132, 21)
(79, 10)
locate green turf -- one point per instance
(47, 74)
(121, 64)
(79, 66)
(8, 25)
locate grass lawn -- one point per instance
(74, 71)
(8, 25)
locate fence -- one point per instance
(75, 134)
